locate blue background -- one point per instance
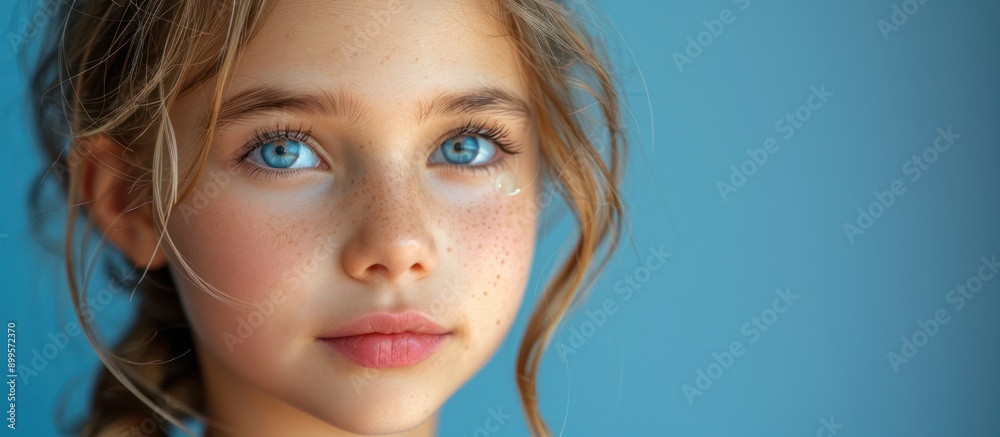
(824, 360)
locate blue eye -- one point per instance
(464, 150)
(284, 153)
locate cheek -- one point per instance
(493, 243)
(251, 250)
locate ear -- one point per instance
(118, 207)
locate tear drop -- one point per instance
(507, 183)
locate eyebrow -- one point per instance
(350, 107)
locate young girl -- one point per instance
(332, 205)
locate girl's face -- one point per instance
(335, 189)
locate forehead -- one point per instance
(385, 50)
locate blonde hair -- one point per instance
(114, 68)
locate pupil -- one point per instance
(280, 150)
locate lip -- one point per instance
(387, 340)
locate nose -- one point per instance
(392, 240)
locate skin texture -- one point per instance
(376, 227)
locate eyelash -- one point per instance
(496, 133)
(261, 138)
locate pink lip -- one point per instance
(385, 340)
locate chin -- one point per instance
(376, 415)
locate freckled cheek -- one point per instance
(246, 250)
(494, 245)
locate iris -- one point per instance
(287, 154)
(467, 149)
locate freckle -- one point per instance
(486, 293)
(449, 249)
